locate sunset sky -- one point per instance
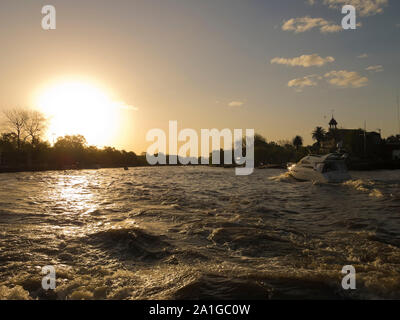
(278, 66)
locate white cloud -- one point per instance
(307, 81)
(341, 78)
(303, 24)
(364, 7)
(304, 61)
(363, 56)
(378, 68)
(346, 79)
(235, 104)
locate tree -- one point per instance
(25, 123)
(297, 142)
(284, 143)
(70, 150)
(318, 134)
(75, 142)
(259, 140)
(35, 125)
(16, 121)
(393, 139)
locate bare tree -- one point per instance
(35, 125)
(15, 121)
(25, 124)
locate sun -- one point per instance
(77, 107)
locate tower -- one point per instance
(333, 124)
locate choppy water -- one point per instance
(197, 232)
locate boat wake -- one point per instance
(363, 185)
(284, 177)
(198, 233)
(367, 186)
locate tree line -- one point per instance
(22, 147)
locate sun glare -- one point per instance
(79, 108)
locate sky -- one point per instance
(277, 66)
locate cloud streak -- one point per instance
(346, 79)
(303, 24)
(305, 61)
(362, 56)
(341, 79)
(378, 68)
(364, 7)
(124, 106)
(307, 81)
(235, 104)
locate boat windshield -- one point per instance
(334, 166)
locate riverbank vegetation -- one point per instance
(23, 148)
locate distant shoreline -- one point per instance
(25, 169)
(356, 166)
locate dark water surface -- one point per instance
(198, 232)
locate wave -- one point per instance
(131, 243)
(211, 286)
(367, 186)
(168, 234)
(252, 242)
(16, 293)
(284, 177)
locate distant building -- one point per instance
(357, 142)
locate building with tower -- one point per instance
(357, 142)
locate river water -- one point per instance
(198, 233)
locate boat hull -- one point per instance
(315, 176)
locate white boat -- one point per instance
(321, 168)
